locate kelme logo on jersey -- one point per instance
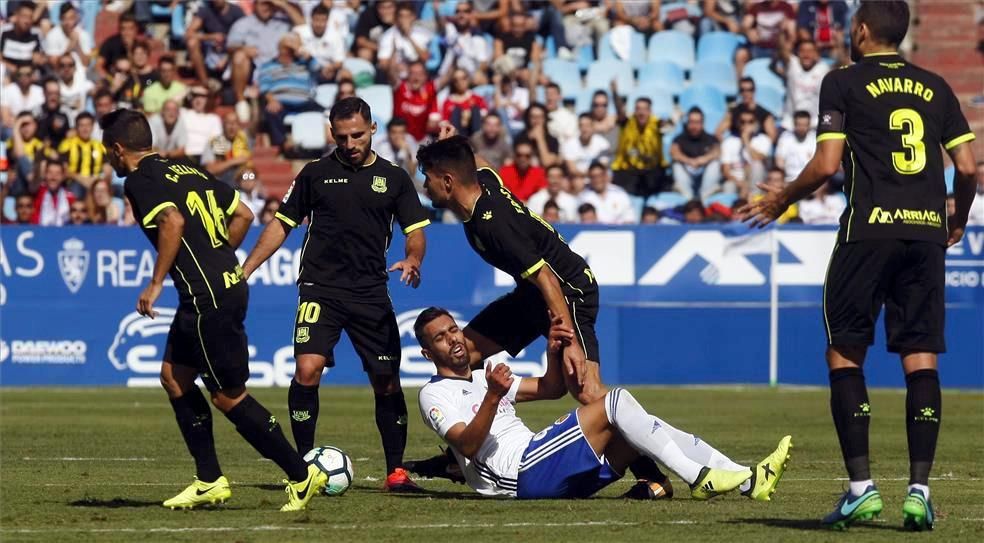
(73, 262)
(302, 335)
(915, 217)
(379, 183)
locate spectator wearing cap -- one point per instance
(370, 26)
(822, 21)
(639, 162)
(53, 202)
(466, 48)
(796, 147)
(398, 146)
(610, 201)
(227, 152)
(53, 122)
(404, 42)
(491, 142)
(285, 87)
(168, 130)
(516, 50)
(415, 101)
(523, 177)
(206, 37)
(546, 148)
(326, 46)
(167, 88)
(556, 191)
(587, 214)
(20, 43)
(744, 156)
(804, 73)
(254, 41)
(20, 95)
(74, 87)
(68, 37)
(463, 108)
(695, 154)
(84, 154)
(579, 152)
(746, 103)
(767, 23)
(201, 125)
(119, 45)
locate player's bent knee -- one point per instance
(385, 385)
(225, 400)
(846, 356)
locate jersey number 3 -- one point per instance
(913, 159)
(213, 218)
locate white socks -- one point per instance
(647, 434)
(858, 487)
(924, 488)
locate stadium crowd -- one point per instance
(612, 111)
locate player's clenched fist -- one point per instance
(499, 379)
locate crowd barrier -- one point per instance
(680, 305)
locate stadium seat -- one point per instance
(487, 92)
(758, 69)
(381, 99)
(582, 102)
(325, 95)
(666, 200)
(702, 96)
(948, 175)
(119, 205)
(436, 55)
(10, 208)
(662, 102)
(308, 130)
(724, 198)
(357, 66)
(718, 46)
(770, 98)
(673, 46)
(602, 72)
(637, 49)
(564, 73)
(662, 75)
(585, 56)
(719, 75)
(638, 202)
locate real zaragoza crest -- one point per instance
(379, 183)
(73, 261)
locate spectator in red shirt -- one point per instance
(463, 108)
(521, 177)
(415, 101)
(767, 23)
(53, 202)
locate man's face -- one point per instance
(517, 23)
(695, 124)
(66, 68)
(589, 216)
(416, 76)
(353, 136)
(585, 127)
(128, 31)
(445, 344)
(386, 11)
(437, 185)
(775, 179)
(463, 16)
(642, 112)
(693, 216)
(397, 135)
(69, 20)
(199, 102)
(491, 127)
(54, 176)
(170, 111)
(52, 95)
(78, 214)
(84, 127)
(263, 10)
(405, 19)
(746, 121)
(551, 215)
(167, 73)
(28, 129)
(319, 23)
(801, 127)
(247, 181)
(140, 57)
(553, 97)
(24, 78)
(537, 117)
(808, 54)
(24, 209)
(115, 155)
(524, 156)
(460, 81)
(24, 19)
(556, 181)
(598, 177)
(599, 107)
(746, 89)
(104, 105)
(230, 125)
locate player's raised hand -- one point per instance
(411, 271)
(764, 210)
(499, 379)
(145, 303)
(447, 130)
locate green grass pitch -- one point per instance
(94, 465)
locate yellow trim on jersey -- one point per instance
(883, 54)
(286, 219)
(831, 136)
(235, 203)
(416, 226)
(201, 271)
(148, 218)
(495, 173)
(533, 269)
(969, 136)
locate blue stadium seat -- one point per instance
(357, 66)
(324, 95)
(381, 99)
(758, 69)
(10, 207)
(638, 202)
(637, 49)
(668, 140)
(666, 200)
(564, 73)
(771, 98)
(662, 75)
(718, 46)
(719, 75)
(672, 46)
(308, 130)
(427, 10)
(724, 198)
(662, 102)
(948, 175)
(585, 56)
(601, 73)
(436, 55)
(487, 92)
(702, 96)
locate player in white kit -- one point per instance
(584, 451)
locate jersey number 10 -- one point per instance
(913, 159)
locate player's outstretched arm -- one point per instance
(415, 247)
(170, 224)
(468, 439)
(573, 356)
(551, 385)
(271, 239)
(239, 223)
(964, 189)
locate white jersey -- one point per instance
(446, 401)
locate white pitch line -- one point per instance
(881, 479)
(87, 459)
(267, 528)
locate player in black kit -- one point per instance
(550, 279)
(886, 120)
(195, 222)
(349, 199)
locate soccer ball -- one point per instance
(336, 464)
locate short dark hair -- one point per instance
(129, 18)
(557, 166)
(521, 141)
(747, 79)
(888, 20)
(102, 93)
(645, 99)
(695, 109)
(65, 8)
(321, 9)
(424, 318)
(26, 4)
(801, 114)
(598, 93)
(167, 59)
(84, 115)
(650, 210)
(531, 107)
(145, 45)
(127, 127)
(491, 114)
(585, 116)
(55, 162)
(584, 208)
(396, 122)
(25, 113)
(347, 107)
(452, 155)
(805, 41)
(693, 205)
(595, 164)
(406, 6)
(551, 204)
(552, 85)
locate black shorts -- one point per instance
(516, 319)
(371, 327)
(907, 277)
(214, 343)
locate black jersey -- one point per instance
(895, 118)
(206, 271)
(350, 212)
(507, 235)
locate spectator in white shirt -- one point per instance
(581, 151)
(556, 191)
(398, 146)
(168, 130)
(201, 125)
(74, 86)
(326, 46)
(744, 156)
(796, 148)
(467, 50)
(20, 95)
(68, 37)
(823, 207)
(804, 73)
(611, 202)
(977, 208)
(404, 42)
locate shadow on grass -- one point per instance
(439, 494)
(810, 524)
(115, 503)
(279, 487)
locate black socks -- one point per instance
(391, 419)
(851, 412)
(263, 432)
(923, 411)
(645, 468)
(303, 404)
(194, 418)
